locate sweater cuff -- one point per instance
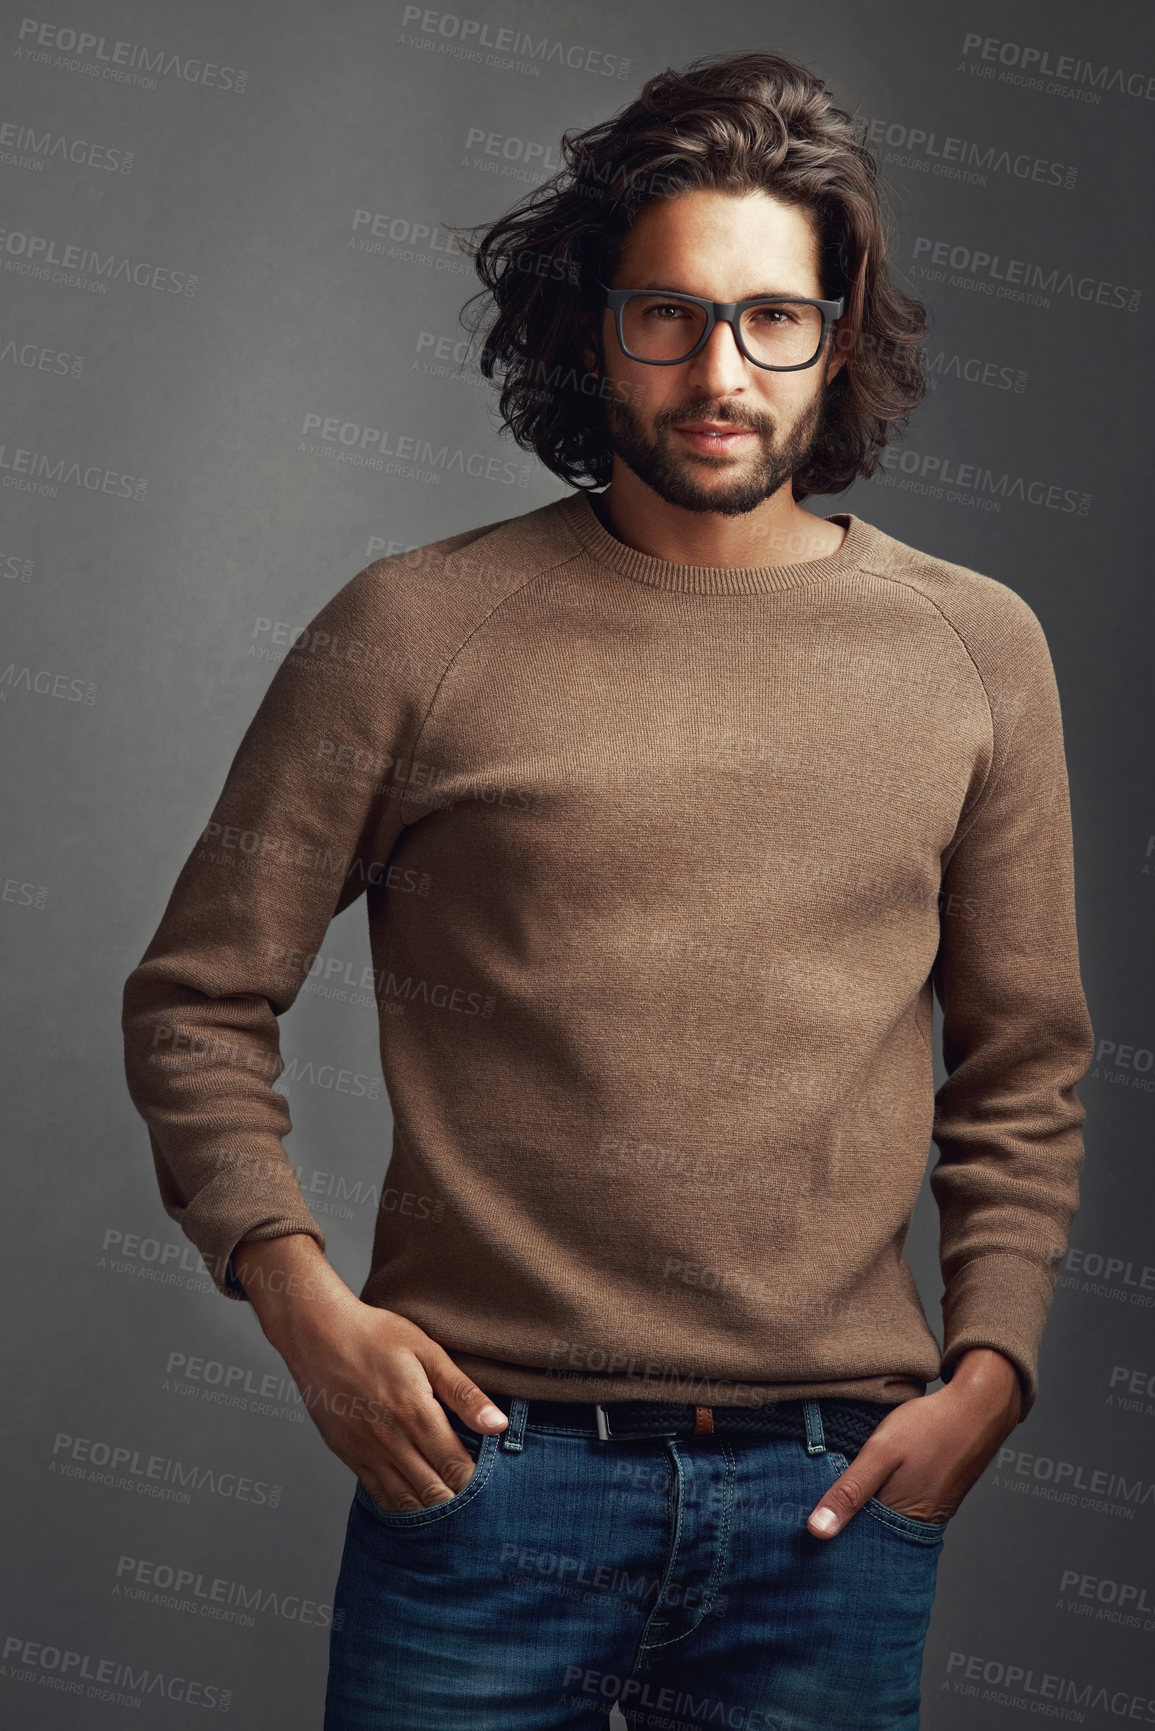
(224, 1215)
(1000, 1300)
(230, 1282)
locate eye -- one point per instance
(666, 311)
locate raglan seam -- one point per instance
(540, 571)
(991, 776)
(865, 564)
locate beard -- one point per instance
(674, 475)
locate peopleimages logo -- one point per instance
(1121, 1602)
(973, 483)
(505, 154)
(1118, 1278)
(952, 158)
(1018, 63)
(1071, 1482)
(367, 447)
(45, 684)
(1022, 1686)
(1015, 279)
(189, 1589)
(114, 1681)
(153, 1475)
(58, 259)
(33, 147)
(507, 49)
(30, 471)
(122, 62)
(973, 370)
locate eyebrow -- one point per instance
(758, 294)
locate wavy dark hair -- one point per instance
(729, 123)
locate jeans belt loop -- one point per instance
(513, 1434)
(815, 1436)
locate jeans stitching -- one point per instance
(403, 1518)
(721, 1558)
(911, 1526)
(674, 1500)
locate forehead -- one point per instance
(724, 245)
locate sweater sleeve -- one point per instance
(303, 826)
(1017, 1037)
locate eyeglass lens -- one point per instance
(658, 328)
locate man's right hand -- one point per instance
(369, 1378)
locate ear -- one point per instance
(590, 359)
(837, 359)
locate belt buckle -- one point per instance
(607, 1435)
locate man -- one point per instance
(708, 795)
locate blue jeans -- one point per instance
(673, 1578)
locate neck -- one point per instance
(777, 531)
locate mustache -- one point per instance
(677, 418)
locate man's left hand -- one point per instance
(925, 1455)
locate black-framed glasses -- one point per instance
(782, 333)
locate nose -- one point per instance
(720, 367)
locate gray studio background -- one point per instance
(224, 265)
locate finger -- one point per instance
(406, 1480)
(372, 1459)
(420, 1447)
(843, 1499)
(824, 1521)
(456, 1390)
(397, 1492)
(389, 1490)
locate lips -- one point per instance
(708, 429)
(707, 438)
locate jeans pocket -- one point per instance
(906, 1526)
(484, 1450)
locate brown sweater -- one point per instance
(660, 864)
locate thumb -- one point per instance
(843, 1499)
(457, 1391)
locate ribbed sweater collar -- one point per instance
(580, 517)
